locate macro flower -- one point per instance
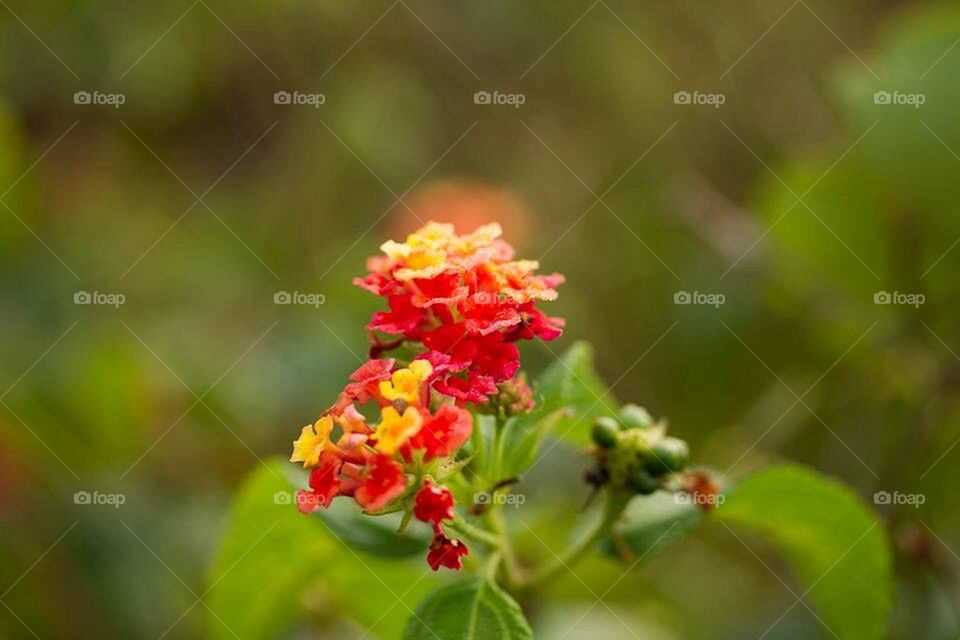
(443, 433)
(445, 552)
(395, 428)
(464, 297)
(313, 440)
(324, 484)
(457, 303)
(433, 504)
(404, 384)
(383, 480)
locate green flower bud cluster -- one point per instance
(634, 452)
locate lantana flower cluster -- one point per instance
(460, 302)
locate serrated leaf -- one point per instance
(836, 546)
(270, 554)
(651, 523)
(471, 610)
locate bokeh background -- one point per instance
(799, 199)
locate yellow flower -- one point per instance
(425, 263)
(395, 429)
(312, 442)
(404, 384)
(481, 237)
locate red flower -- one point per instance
(445, 552)
(452, 341)
(383, 480)
(433, 504)
(444, 432)
(536, 324)
(474, 388)
(364, 385)
(324, 482)
(486, 313)
(403, 317)
(445, 289)
(464, 298)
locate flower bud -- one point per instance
(635, 417)
(643, 482)
(666, 455)
(514, 397)
(604, 432)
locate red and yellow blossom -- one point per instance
(461, 296)
(404, 384)
(461, 302)
(395, 428)
(313, 441)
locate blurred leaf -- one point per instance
(572, 383)
(482, 440)
(271, 553)
(836, 546)
(522, 440)
(375, 535)
(918, 135)
(471, 610)
(653, 522)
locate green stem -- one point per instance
(513, 573)
(613, 506)
(476, 533)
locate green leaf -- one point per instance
(836, 546)
(376, 535)
(271, 554)
(651, 523)
(572, 383)
(482, 442)
(522, 440)
(471, 610)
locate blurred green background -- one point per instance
(799, 199)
